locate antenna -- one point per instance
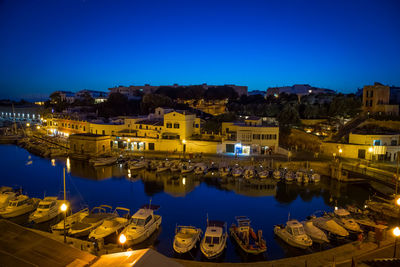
(150, 204)
(288, 216)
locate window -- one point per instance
(169, 125)
(62, 124)
(104, 148)
(366, 103)
(366, 94)
(393, 143)
(256, 136)
(371, 94)
(84, 128)
(176, 125)
(104, 132)
(151, 146)
(148, 219)
(370, 103)
(147, 127)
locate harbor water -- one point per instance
(184, 199)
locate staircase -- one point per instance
(348, 127)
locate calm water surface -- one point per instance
(184, 200)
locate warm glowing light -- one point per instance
(64, 207)
(38, 127)
(370, 150)
(28, 124)
(336, 208)
(122, 239)
(53, 162)
(340, 150)
(184, 141)
(396, 231)
(129, 140)
(184, 181)
(398, 201)
(68, 165)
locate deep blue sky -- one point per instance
(72, 45)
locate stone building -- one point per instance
(376, 99)
(89, 145)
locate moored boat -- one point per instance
(246, 238)
(248, 173)
(104, 161)
(186, 238)
(69, 221)
(276, 174)
(344, 219)
(47, 209)
(293, 234)
(200, 168)
(316, 234)
(111, 225)
(20, 205)
(330, 226)
(213, 243)
(237, 171)
(6, 194)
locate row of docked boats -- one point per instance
(336, 225)
(223, 170)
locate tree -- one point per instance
(289, 116)
(152, 101)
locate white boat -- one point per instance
(299, 177)
(293, 234)
(186, 167)
(111, 225)
(186, 238)
(142, 225)
(104, 161)
(20, 205)
(69, 221)
(237, 171)
(141, 164)
(6, 194)
(263, 174)
(224, 171)
(163, 166)
(315, 177)
(289, 176)
(329, 225)
(344, 219)
(200, 168)
(316, 234)
(96, 217)
(214, 241)
(47, 209)
(248, 173)
(276, 174)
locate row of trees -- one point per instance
(198, 92)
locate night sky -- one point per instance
(72, 45)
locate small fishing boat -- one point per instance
(6, 194)
(20, 205)
(344, 219)
(246, 238)
(111, 225)
(103, 161)
(96, 217)
(315, 177)
(175, 166)
(276, 174)
(186, 238)
(293, 234)
(214, 241)
(186, 167)
(224, 171)
(237, 171)
(248, 173)
(69, 221)
(163, 166)
(306, 179)
(200, 168)
(142, 225)
(141, 164)
(289, 176)
(316, 234)
(263, 174)
(329, 225)
(47, 209)
(299, 177)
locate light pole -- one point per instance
(64, 209)
(396, 233)
(370, 150)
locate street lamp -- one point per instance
(64, 208)
(396, 233)
(122, 240)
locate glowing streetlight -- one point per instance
(184, 141)
(340, 150)
(28, 124)
(64, 208)
(122, 240)
(396, 233)
(370, 150)
(398, 201)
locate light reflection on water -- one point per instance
(184, 199)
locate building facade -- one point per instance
(376, 99)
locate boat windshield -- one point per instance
(13, 204)
(298, 231)
(138, 221)
(44, 206)
(212, 240)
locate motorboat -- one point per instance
(6, 194)
(103, 161)
(224, 171)
(186, 167)
(293, 234)
(186, 238)
(19, 205)
(142, 225)
(315, 177)
(214, 240)
(152, 165)
(237, 171)
(47, 209)
(69, 221)
(263, 174)
(316, 234)
(96, 217)
(175, 167)
(111, 225)
(163, 166)
(330, 226)
(246, 238)
(299, 177)
(344, 219)
(200, 168)
(141, 164)
(289, 176)
(248, 173)
(276, 174)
